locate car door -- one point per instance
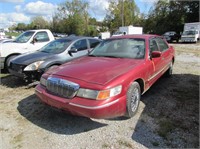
(156, 61)
(82, 48)
(165, 54)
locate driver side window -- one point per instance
(153, 45)
(41, 37)
(80, 45)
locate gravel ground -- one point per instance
(168, 115)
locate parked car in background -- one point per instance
(30, 40)
(110, 80)
(6, 40)
(30, 66)
(171, 36)
(191, 32)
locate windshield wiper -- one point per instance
(111, 56)
(92, 55)
(44, 51)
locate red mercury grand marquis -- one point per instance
(110, 80)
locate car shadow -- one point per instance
(54, 120)
(12, 81)
(170, 118)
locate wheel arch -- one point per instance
(141, 83)
(13, 54)
(173, 60)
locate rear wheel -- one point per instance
(133, 99)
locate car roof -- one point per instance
(144, 36)
(33, 30)
(73, 37)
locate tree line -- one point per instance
(72, 17)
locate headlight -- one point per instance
(33, 66)
(43, 81)
(99, 95)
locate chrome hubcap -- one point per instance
(135, 99)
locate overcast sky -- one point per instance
(21, 11)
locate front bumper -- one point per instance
(84, 107)
(188, 39)
(28, 75)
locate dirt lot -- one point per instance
(168, 116)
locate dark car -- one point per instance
(171, 36)
(31, 66)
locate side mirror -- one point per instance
(34, 40)
(156, 54)
(73, 50)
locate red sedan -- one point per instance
(110, 80)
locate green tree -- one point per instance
(171, 15)
(39, 22)
(75, 16)
(21, 26)
(121, 13)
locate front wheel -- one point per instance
(7, 64)
(51, 67)
(133, 99)
(170, 70)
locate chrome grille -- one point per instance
(62, 87)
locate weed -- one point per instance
(18, 138)
(165, 126)
(105, 146)
(155, 143)
(125, 143)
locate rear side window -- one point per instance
(42, 37)
(153, 45)
(93, 43)
(163, 46)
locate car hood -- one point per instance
(13, 45)
(97, 70)
(28, 58)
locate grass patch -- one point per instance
(165, 126)
(125, 143)
(18, 138)
(155, 144)
(12, 34)
(3, 75)
(106, 146)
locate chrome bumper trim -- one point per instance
(96, 107)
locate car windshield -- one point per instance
(24, 37)
(120, 48)
(56, 46)
(189, 32)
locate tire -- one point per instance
(133, 99)
(170, 70)
(8, 61)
